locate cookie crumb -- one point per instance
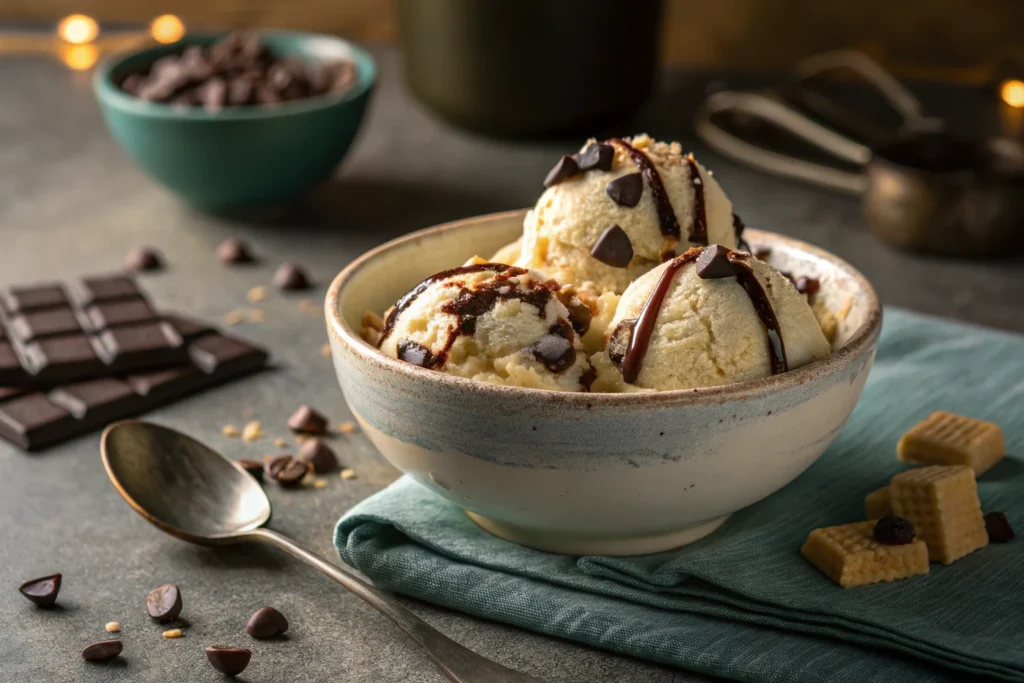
(320, 483)
(252, 431)
(280, 443)
(232, 318)
(325, 350)
(173, 633)
(347, 427)
(255, 315)
(229, 431)
(256, 294)
(113, 627)
(347, 474)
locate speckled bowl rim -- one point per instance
(861, 342)
(108, 92)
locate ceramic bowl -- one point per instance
(580, 473)
(239, 156)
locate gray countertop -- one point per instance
(71, 204)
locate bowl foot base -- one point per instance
(569, 544)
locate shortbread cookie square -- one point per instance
(949, 439)
(876, 503)
(850, 556)
(942, 504)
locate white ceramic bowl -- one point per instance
(580, 473)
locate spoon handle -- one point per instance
(458, 663)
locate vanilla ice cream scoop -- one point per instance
(617, 209)
(708, 317)
(494, 323)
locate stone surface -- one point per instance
(70, 203)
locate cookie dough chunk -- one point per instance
(877, 504)
(942, 504)
(850, 556)
(949, 439)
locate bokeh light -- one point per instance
(78, 29)
(1012, 93)
(80, 57)
(167, 28)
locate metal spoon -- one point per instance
(192, 492)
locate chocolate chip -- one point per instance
(143, 259)
(230, 661)
(613, 248)
(807, 285)
(266, 622)
(307, 421)
(164, 603)
(626, 190)
(998, 528)
(419, 355)
(234, 250)
(241, 90)
(713, 263)
(618, 341)
(291, 277)
(598, 155)
(565, 168)
(286, 470)
(253, 467)
(42, 591)
(580, 314)
(892, 530)
(102, 651)
(555, 349)
(318, 454)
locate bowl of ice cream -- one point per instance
(614, 415)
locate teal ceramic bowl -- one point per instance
(240, 156)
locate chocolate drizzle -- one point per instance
(699, 231)
(666, 215)
(629, 341)
(738, 226)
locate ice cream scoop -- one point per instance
(494, 323)
(620, 207)
(708, 317)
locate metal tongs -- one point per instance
(923, 188)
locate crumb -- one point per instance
(347, 474)
(256, 294)
(232, 318)
(173, 633)
(845, 309)
(280, 443)
(113, 627)
(320, 483)
(251, 431)
(325, 350)
(347, 427)
(255, 315)
(229, 431)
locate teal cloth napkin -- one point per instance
(742, 603)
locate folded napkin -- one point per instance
(742, 603)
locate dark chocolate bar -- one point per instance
(36, 419)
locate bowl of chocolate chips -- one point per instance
(240, 120)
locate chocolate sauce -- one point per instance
(580, 314)
(555, 349)
(629, 355)
(666, 215)
(699, 231)
(738, 226)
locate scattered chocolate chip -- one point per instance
(713, 263)
(598, 155)
(807, 285)
(618, 341)
(318, 454)
(286, 470)
(998, 528)
(253, 467)
(613, 248)
(234, 250)
(291, 277)
(266, 622)
(42, 591)
(419, 355)
(230, 661)
(307, 421)
(580, 314)
(164, 603)
(555, 349)
(626, 190)
(892, 530)
(565, 168)
(102, 651)
(143, 259)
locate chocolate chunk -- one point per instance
(555, 352)
(626, 190)
(619, 340)
(97, 400)
(580, 314)
(164, 603)
(11, 371)
(307, 421)
(234, 251)
(998, 528)
(21, 299)
(807, 285)
(319, 455)
(565, 168)
(144, 345)
(420, 356)
(123, 312)
(42, 591)
(253, 467)
(166, 385)
(230, 661)
(102, 651)
(613, 248)
(266, 622)
(44, 323)
(33, 421)
(286, 470)
(96, 289)
(597, 156)
(64, 358)
(225, 356)
(188, 328)
(143, 259)
(713, 263)
(892, 530)
(291, 277)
